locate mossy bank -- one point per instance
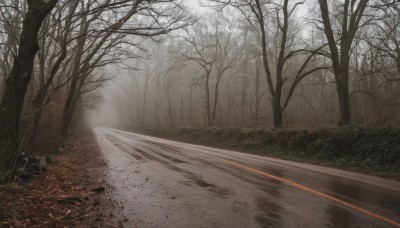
(371, 150)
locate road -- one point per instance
(162, 183)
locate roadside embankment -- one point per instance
(370, 150)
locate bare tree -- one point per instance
(20, 75)
(387, 37)
(212, 51)
(10, 28)
(257, 13)
(43, 95)
(352, 15)
(143, 18)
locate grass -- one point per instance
(370, 150)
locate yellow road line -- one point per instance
(315, 192)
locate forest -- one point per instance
(213, 63)
(199, 113)
(276, 64)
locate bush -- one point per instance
(376, 149)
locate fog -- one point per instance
(301, 80)
(212, 73)
(210, 63)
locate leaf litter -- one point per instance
(72, 192)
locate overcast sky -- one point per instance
(196, 8)
(194, 5)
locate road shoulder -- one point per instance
(72, 192)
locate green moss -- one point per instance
(369, 149)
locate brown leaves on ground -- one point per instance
(73, 192)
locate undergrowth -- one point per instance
(364, 149)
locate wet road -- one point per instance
(162, 183)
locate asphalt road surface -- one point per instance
(162, 183)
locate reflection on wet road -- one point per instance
(162, 183)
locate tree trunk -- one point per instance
(156, 106)
(182, 113)
(20, 76)
(37, 112)
(76, 96)
(144, 105)
(208, 105)
(67, 112)
(190, 115)
(214, 112)
(342, 87)
(170, 111)
(75, 80)
(243, 99)
(277, 113)
(257, 97)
